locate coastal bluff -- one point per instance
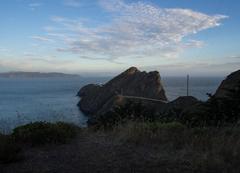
(132, 83)
(228, 85)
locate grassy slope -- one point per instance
(138, 147)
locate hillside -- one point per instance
(35, 75)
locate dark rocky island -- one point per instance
(141, 94)
(131, 86)
(35, 75)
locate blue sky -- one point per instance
(103, 37)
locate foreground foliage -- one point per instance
(34, 134)
(144, 146)
(9, 149)
(40, 133)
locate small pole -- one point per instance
(187, 85)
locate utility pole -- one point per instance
(187, 85)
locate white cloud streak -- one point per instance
(41, 38)
(196, 69)
(34, 6)
(3, 50)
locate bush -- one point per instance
(130, 111)
(40, 133)
(9, 149)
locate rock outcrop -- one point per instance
(178, 105)
(230, 84)
(145, 89)
(97, 99)
(222, 107)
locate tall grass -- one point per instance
(202, 149)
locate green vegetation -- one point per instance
(40, 133)
(122, 114)
(34, 134)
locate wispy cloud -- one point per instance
(39, 63)
(28, 54)
(41, 38)
(235, 56)
(136, 30)
(195, 69)
(3, 50)
(34, 6)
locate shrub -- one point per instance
(130, 111)
(40, 133)
(9, 149)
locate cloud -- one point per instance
(41, 38)
(195, 68)
(3, 50)
(235, 56)
(28, 54)
(136, 30)
(34, 6)
(40, 63)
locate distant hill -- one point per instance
(35, 75)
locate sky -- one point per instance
(104, 37)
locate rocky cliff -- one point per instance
(220, 109)
(97, 99)
(230, 84)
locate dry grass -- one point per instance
(140, 147)
(201, 149)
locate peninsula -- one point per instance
(20, 74)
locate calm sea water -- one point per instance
(54, 99)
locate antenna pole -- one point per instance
(187, 85)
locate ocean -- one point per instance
(24, 100)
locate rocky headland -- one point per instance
(132, 83)
(229, 85)
(131, 86)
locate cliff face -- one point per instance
(230, 84)
(132, 82)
